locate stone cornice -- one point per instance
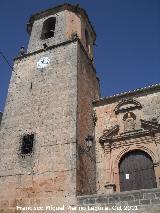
(46, 49)
(129, 135)
(148, 128)
(56, 46)
(150, 125)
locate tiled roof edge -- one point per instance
(123, 94)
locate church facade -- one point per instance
(59, 141)
(127, 130)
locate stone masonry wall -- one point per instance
(88, 90)
(43, 102)
(141, 201)
(68, 24)
(107, 118)
(36, 43)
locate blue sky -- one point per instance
(127, 54)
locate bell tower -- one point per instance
(59, 25)
(48, 113)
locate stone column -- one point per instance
(110, 186)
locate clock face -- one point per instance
(43, 62)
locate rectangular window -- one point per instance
(27, 144)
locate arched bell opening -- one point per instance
(48, 28)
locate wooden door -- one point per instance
(136, 171)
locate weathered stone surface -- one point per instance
(142, 105)
(56, 105)
(52, 104)
(149, 205)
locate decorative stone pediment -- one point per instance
(150, 125)
(109, 133)
(126, 105)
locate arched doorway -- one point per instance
(136, 171)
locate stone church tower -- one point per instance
(44, 125)
(62, 145)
